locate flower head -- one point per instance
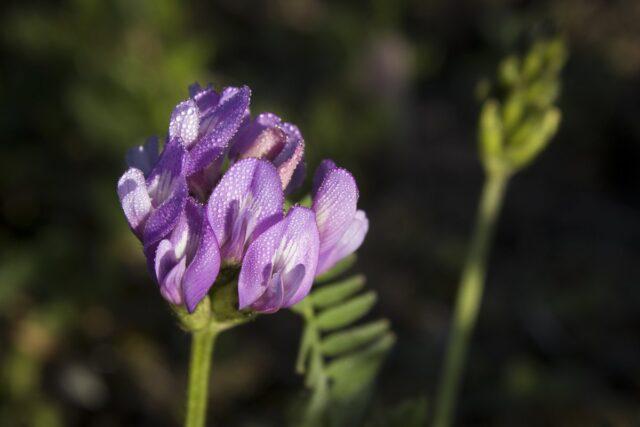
(192, 216)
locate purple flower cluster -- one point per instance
(193, 217)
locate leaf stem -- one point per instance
(315, 373)
(469, 296)
(202, 344)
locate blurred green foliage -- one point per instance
(514, 132)
(386, 89)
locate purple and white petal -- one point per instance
(334, 203)
(218, 127)
(280, 265)
(135, 201)
(288, 160)
(348, 243)
(168, 190)
(206, 99)
(143, 157)
(203, 268)
(256, 274)
(321, 172)
(185, 122)
(246, 201)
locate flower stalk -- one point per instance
(469, 296)
(202, 345)
(512, 132)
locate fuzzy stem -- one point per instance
(202, 344)
(469, 297)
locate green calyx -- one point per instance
(217, 311)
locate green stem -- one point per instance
(199, 374)
(469, 297)
(315, 377)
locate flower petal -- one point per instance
(260, 137)
(217, 128)
(203, 268)
(246, 201)
(143, 157)
(335, 204)
(279, 266)
(170, 286)
(185, 122)
(257, 266)
(288, 160)
(168, 190)
(135, 201)
(206, 99)
(321, 172)
(348, 243)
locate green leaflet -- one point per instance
(350, 339)
(336, 292)
(338, 357)
(346, 313)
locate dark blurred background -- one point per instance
(387, 88)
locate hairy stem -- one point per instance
(202, 343)
(469, 297)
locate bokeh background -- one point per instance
(388, 89)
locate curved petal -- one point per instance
(322, 170)
(185, 122)
(279, 266)
(335, 204)
(259, 137)
(300, 248)
(297, 179)
(246, 201)
(170, 286)
(169, 271)
(169, 167)
(348, 243)
(143, 157)
(203, 268)
(288, 160)
(206, 99)
(168, 190)
(257, 265)
(217, 128)
(164, 218)
(135, 201)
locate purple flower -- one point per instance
(187, 262)
(268, 137)
(279, 266)
(341, 226)
(247, 200)
(205, 123)
(191, 218)
(153, 201)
